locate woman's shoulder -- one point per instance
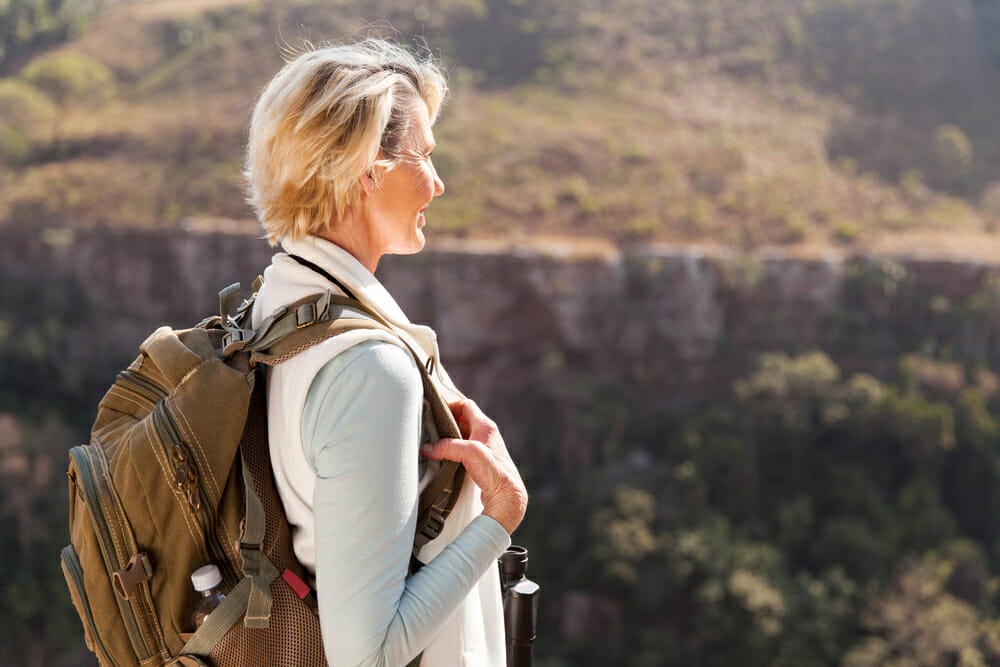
(372, 370)
(373, 360)
(372, 387)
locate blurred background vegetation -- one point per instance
(750, 122)
(814, 516)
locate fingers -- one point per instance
(452, 449)
(472, 421)
(458, 411)
(487, 462)
(463, 408)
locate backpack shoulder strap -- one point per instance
(298, 326)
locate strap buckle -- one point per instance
(236, 339)
(253, 558)
(127, 579)
(431, 529)
(305, 315)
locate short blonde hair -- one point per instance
(328, 117)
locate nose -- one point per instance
(438, 183)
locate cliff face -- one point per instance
(571, 348)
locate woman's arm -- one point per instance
(360, 430)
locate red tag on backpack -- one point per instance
(300, 587)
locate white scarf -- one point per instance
(473, 636)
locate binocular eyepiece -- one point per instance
(520, 606)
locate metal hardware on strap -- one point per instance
(305, 315)
(127, 579)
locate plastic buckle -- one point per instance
(235, 339)
(127, 579)
(433, 527)
(252, 558)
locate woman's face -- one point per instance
(396, 207)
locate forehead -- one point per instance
(420, 129)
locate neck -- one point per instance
(354, 235)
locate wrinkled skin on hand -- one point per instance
(483, 453)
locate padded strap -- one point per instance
(285, 341)
(313, 319)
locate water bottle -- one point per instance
(207, 581)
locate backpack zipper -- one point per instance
(153, 392)
(170, 436)
(83, 456)
(176, 450)
(146, 388)
(74, 575)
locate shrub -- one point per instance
(25, 115)
(66, 76)
(953, 151)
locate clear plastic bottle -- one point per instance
(207, 581)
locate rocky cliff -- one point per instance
(574, 347)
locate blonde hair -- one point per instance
(330, 116)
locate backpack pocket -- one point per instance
(113, 539)
(73, 572)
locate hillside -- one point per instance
(794, 122)
(737, 454)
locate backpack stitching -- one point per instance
(196, 444)
(147, 615)
(165, 467)
(129, 397)
(119, 547)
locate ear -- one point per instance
(367, 182)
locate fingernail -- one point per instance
(426, 449)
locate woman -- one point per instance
(340, 173)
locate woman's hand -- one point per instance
(487, 462)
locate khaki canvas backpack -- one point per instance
(177, 475)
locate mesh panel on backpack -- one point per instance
(293, 637)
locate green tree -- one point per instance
(26, 116)
(33, 517)
(953, 151)
(67, 76)
(30, 24)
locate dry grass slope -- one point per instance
(712, 122)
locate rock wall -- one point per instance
(572, 347)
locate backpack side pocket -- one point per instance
(73, 572)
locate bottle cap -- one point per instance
(206, 577)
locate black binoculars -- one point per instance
(520, 606)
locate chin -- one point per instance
(411, 246)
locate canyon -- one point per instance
(573, 346)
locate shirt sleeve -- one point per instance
(360, 431)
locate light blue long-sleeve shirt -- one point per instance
(361, 428)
